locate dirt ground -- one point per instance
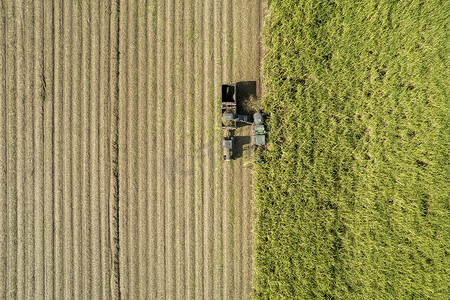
(112, 183)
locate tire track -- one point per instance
(247, 229)
(227, 232)
(95, 282)
(39, 87)
(228, 171)
(29, 141)
(142, 221)
(11, 152)
(208, 148)
(228, 35)
(160, 177)
(48, 129)
(86, 107)
(240, 46)
(77, 165)
(58, 152)
(237, 48)
(237, 225)
(169, 133)
(152, 191)
(3, 156)
(21, 159)
(220, 14)
(248, 238)
(123, 150)
(105, 131)
(179, 151)
(68, 70)
(132, 152)
(114, 208)
(189, 38)
(198, 161)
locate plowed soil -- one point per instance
(112, 183)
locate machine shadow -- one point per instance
(246, 98)
(240, 144)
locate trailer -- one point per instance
(229, 104)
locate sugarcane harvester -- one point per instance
(230, 119)
(258, 135)
(258, 131)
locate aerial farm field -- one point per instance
(353, 200)
(112, 183)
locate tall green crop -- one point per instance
(353, 201)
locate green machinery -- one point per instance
(258, 130)
(258, 136)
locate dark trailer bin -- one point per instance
(229, 104)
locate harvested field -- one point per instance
(111, 176)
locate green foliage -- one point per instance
(353, 200)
